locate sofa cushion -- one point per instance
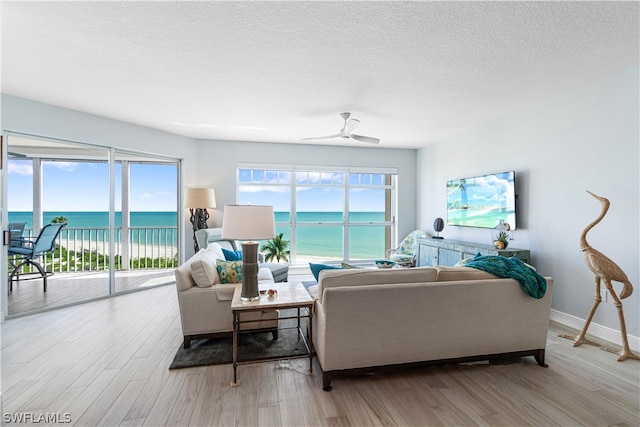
(448, 274)
(317, 268)
(265, 275)
(231, 255)
(229, 271)
(368, 276)
(203, 268)
(215, 247)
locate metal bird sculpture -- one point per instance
(605, 271)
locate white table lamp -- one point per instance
(248, 223)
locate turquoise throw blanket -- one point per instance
(508, 267)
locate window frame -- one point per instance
(388, 183)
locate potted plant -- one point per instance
(276, 248)
(502, 240)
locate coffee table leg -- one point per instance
(236, 327)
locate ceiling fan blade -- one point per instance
(337, 135)
(366, 139)
(351, 125)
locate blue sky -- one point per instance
(317, 199)
(273, 188)
(84, 186)
(73, 186)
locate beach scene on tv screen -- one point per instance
(482, 201)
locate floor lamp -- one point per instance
(248, 223)
(198, 200)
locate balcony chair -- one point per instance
(16, 230)
(405, 255)
(30, 251)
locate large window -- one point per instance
(328, 214)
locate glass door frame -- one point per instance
(111, 159)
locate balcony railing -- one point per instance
(87, 249)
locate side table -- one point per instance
(289, 295)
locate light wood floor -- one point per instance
(106, 363)
(68, 288)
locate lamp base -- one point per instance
(199, 217)
(250, 290)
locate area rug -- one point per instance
(219, 351)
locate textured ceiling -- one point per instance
(411, 72)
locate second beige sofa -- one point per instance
(367, 320)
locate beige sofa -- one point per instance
(205, 303)
(207, 236)
(366, 320)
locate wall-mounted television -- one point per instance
(482, 201)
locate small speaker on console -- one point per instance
(438, 226)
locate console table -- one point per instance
(447, 252)
(289, 295)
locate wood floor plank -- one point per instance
(184, 405)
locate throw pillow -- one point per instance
(215, 246)
(230, 255)
(203, 269)
(317, 268)
(229, 271)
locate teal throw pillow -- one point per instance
(229, 271)
(230, 255)
(317, 268)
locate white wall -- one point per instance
(23, 115)
(587, 139)
(217, 162)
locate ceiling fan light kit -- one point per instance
(347, 132)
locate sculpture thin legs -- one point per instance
(626, 352)
(598, 299)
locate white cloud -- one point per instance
(65, 166)
(264, 188)
(20, 168)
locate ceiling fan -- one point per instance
(346, 132)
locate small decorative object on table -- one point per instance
(501, 241)
(438, 226)
(384, 263)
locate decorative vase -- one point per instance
(499, 244)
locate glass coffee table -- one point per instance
(288, 295)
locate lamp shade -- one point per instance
(200, 198)
(248, 222)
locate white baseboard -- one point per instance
(602, 332)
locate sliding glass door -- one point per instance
(121, 217)
(146, 222)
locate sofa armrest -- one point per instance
(224, 292)
(184, 280)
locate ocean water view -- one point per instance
(95, 221)
(366, 242)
